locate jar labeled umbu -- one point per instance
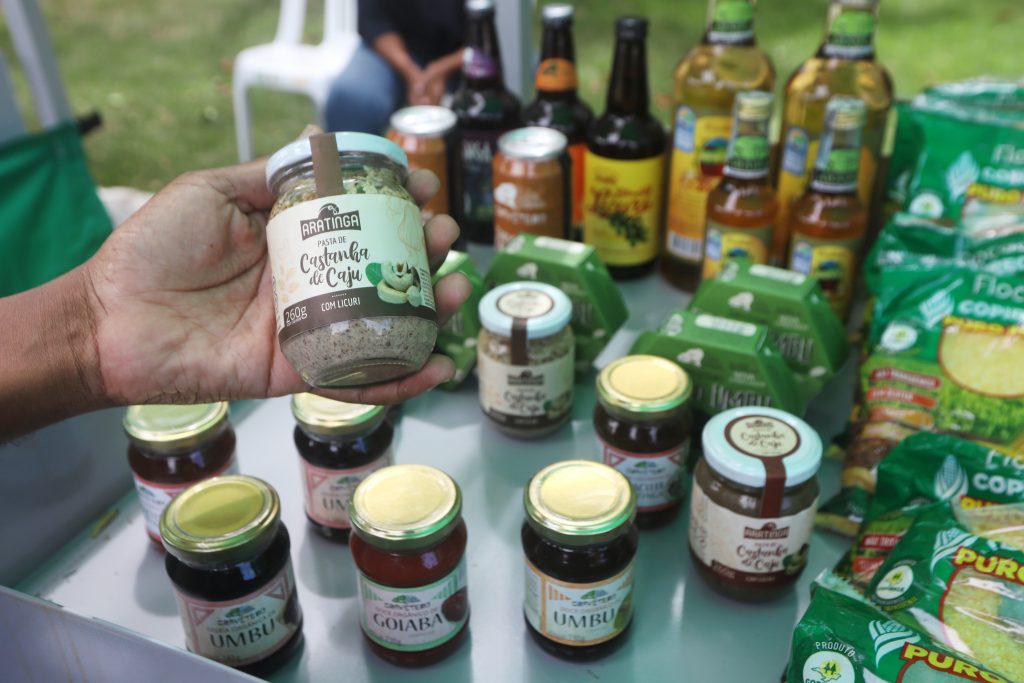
(643, 424)
(409, 545)
(352, 289)
(172, 447)
(580, 541)
(339, 445)
(755, 495)
(526, 358)
(228, 558)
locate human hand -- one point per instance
(182, 302)
(428, 86)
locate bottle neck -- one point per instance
(556, 73)
(481, 60)
(730, 22)
(850, 31)
(749, 152)
(627, 90)
(838, 162)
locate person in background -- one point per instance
(410, 51)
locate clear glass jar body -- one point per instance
(351, 349)
(518, 409)
(345, 456)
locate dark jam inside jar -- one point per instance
(228, 558)
(579, 541)
(339, 444)
(172, 447)
(409, 547)
(579, 564)
(644, 426)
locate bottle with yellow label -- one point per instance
(844, 65)
(726, 62)
(829, 221)
(624, 164)
(742, 208)
(558, 105)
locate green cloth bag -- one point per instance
(52, 218)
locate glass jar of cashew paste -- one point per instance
(352, 291)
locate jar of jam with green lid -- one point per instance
(172, 447)
(643, 423)
(409, 545)
(339, 445)
(755, 495)
(228, 558)
(580, 541)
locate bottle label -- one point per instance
(525, 396)
(747, 551)
(328, 491)
(838, 171)
(732, 21)
(245, 630)
(699, 153)
(833, 263)
(851, 34)
(748, 157)
(532, 202)
(555, 75)
(154, 497)
(578, 614)
(577, 153)
(478, 147)
(727, 242)
(478, 65)
(414, 619)
(346, 257)
(656, 477)
(622, 208)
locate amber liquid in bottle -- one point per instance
(485, 109)
(828, 223)
(742, 208)
(624, 164)
(726, 62)
(557, 104)
(844, 65)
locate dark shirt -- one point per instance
(430, 28)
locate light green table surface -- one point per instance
(682, 631)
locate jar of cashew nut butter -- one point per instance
(353, 297)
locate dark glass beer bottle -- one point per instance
(624, 164)
(486, 109)
(557, 105)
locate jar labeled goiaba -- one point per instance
(643, 423)
(228, 558)
(339, 445)
(172, 447)
(352, 289)
(755, 494)
(409, 544)
(525, 358)
(580, 540)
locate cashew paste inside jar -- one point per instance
(352, 291)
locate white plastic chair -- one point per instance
(289, 65)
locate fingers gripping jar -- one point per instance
(526, 358)
(352, 290)
(229, 560)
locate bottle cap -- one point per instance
(556, 14)
(631, 28)
(479, 8)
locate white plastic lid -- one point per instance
(546, 309)
(425, 119)
(532, 143)
(299, 151)
(737, 443)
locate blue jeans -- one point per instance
(365, 95)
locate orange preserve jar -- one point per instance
(531, 185)
(409, 544)
(172, 447)
(424, 133)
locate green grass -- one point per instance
(160, 72)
